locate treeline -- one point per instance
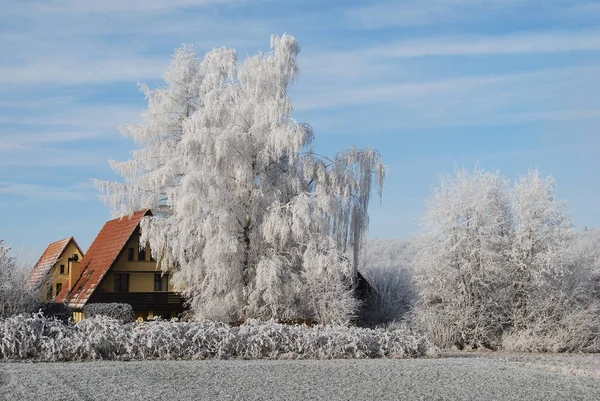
(498, 265)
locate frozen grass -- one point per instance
(34, 337)
(465, 376)
(583, 365)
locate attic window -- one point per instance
(130, 254)
(62, 269)
(142, 255)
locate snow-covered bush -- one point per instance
(37, 338)
(586, 256)
(563, 315)
(499, 267)
(387, 266)
(562, 325)
(15, 294)
(541, 248)
(462, 260)
(118, 311)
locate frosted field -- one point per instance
(453, 377)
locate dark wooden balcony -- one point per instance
(142, 301)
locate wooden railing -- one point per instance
(157, 301)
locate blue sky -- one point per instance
(511, 84)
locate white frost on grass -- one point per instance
(458, 378)
(34, 337)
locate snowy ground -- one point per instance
(454, 376)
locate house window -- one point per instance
(142, 255)
(121, 282)
(58, 288)
(62, 269)
(161, 282)
(129, 254)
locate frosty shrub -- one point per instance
(252, 220)
(118, 311)
(563, 314)
(387, 266)
(15, 294)
(34, 337)
(499, 267)
(586, 256)
(561, 327)
(462, 259)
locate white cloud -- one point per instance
(67, 121)
(107, 6)
(521, 43)
(35, 191)
(386, 92)
(582, 10)
(413, 13)
(73, 72)
(71, 113)
(566, 94)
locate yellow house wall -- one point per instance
(141, 273)
(54, 277)
(141, 277)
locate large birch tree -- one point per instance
(254, 222)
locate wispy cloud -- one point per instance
(106, 6)
(92, 116)
(589, 9)
(413, 13)
(77, 192)
(566, 94)
(77, 71)
(520, 43)
(54, 125)
(385, 92)
(89, 42)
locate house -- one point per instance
(115, 269)
(52, 271)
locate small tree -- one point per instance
(15, 295)
(497, 267)
(254, 222)
(541, 247)
(461, 261)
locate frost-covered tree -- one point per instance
(541, 246)
(462, 258)
(15, 295)
(586, 255)
(554, 300)
(497, 267)
(254, 222)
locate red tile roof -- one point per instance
(50, 256)
(101, 256)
